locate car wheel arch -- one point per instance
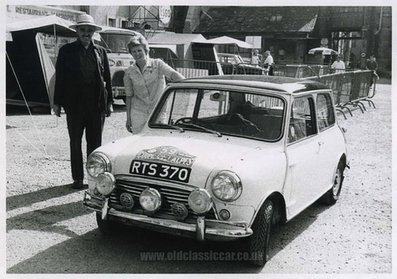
(343, 159)
(330, 197)
(280, 212)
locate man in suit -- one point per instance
(83, 89)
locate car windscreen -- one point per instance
(115, 43)
(223, 112)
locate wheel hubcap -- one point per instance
(337, 182)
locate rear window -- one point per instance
(325, 111)
(302, 119)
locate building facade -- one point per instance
(289, 32)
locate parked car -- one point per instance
(235, 64)
(223, 158)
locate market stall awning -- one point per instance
(168, 47)
(46, 24)
(171, 38)
(225, 40)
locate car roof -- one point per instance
(115, 30)
(274, 83)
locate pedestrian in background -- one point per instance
(372, 65)
(338, 66)
(144, 82)
(268, 63)
(83, 89)
(256, 58)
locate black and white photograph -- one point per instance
(197, 139)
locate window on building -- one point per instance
(111, 22)
(276, 18)
(123, 23)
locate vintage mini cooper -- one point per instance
(223, 158)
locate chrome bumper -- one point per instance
(203, 229)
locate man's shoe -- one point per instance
(78, 184)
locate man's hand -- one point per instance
(57, 110)
(109, 110)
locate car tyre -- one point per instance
(332, 195)
(260, 239)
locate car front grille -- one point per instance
(170, 194)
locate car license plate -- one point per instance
(119, 91)
(160, 170)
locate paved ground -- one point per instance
(49, 231)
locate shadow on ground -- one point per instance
(125, 251)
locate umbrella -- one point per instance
(323, 51)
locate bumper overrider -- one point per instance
(203, 229)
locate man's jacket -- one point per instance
(69, 80)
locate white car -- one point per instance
(223, 158)
(235, 64)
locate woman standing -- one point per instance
(144, 82)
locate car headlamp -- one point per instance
(111, 62)
(104, 183)
(226, 186)
(150, 199)
(200, 201)
(97, 163)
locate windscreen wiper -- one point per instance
(201, 128)
(180, 129)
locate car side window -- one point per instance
(325, 111)
(301, 122)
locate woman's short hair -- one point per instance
(138, 41)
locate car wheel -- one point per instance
(332, 195)
(259, 241)
(106, 227)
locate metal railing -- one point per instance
(194, 68)
(300, 71)
(352, 88)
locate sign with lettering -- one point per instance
(165, 14)
(32, 10)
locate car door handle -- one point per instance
(320, 143)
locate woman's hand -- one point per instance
(128, 126)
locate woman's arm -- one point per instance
(176, 76)
(169, 72)
(128, 124)
(129, 92)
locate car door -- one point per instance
(302, 151)
(330, 139)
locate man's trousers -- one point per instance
(90, 121)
